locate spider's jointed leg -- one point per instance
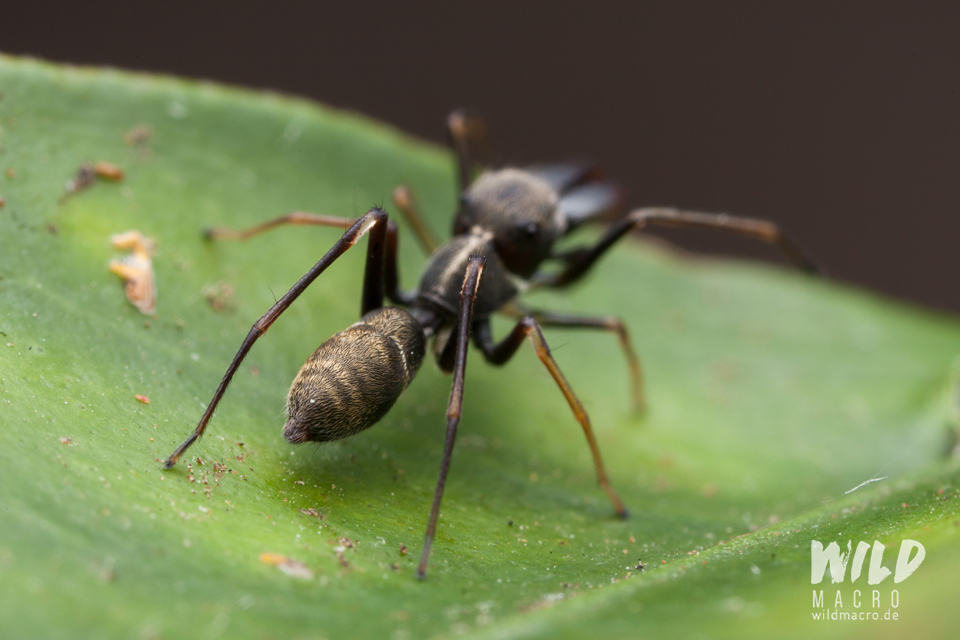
(404, 201)
(579, 261)
(604, 323)
(296, 218)
(390, 272)
(467, 134)
(499, 353)
(468, 296)
(373, 222)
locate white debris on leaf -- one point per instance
(289, 566)
(136, 270)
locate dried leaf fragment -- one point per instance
(108, 171)
(88, 173)
(289, 566)
(137, 270)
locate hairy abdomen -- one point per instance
(353, 379)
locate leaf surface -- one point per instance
(771, 395)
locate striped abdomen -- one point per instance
(353, 379)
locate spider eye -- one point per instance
(528, 230)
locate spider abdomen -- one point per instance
(351, 380)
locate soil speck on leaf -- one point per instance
(289, 566)
(219, 296)
(108, 171)
(139, 136)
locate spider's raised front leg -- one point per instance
(373, 222)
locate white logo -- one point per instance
(877, 573)
(820, 558)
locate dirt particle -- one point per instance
(108, 171)
(219, 296)
(312, 512)
(85, 176)
(88, 173)
(289, 566)
(142, 398)
(139, 136)
(66, 440)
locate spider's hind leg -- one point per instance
(499, 353)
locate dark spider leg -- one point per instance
(403, 199)
(606, 323)
(391, 275)
(578, 261)
(468, 135)
(390, 278)
(499, 353)
(468, 295)
(375, 222)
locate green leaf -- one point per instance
(771, 395)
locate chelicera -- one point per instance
(504, 232)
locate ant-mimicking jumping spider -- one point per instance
(504, 231)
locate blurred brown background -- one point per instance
(837, 119)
